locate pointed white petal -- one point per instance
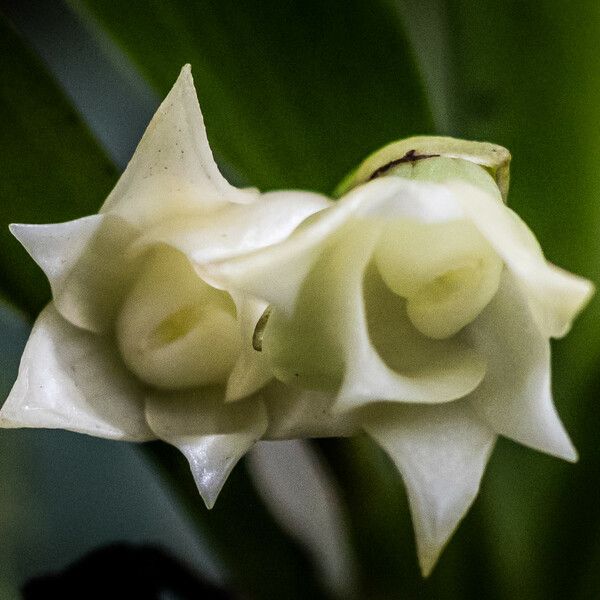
(72, 379)
(555, 297)
(515, 396)
(211, 434)
(173, 170)
(441, 453)
(84, 262)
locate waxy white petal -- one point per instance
(555, 297)
(175, 331)
(276, 273)
(318, 335)
(386, 358)
(236, 229)
(173, 170)
(441, 453)
(85, 265)
(211, 434)
(72, 379)
(515, 396)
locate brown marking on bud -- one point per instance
(410, 156)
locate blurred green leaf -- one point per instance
(525, 75)
(295, 93)
(52, 168)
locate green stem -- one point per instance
(262, 562)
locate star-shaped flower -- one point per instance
(135, 345)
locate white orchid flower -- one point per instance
(135, 345)
(419, 309)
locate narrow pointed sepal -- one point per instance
(441, 453)
(84, 261)
(173, 161)
(211, 434)
(515, 396)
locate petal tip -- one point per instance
(19, 231)
(427, 562)
(14, 227)
(209, 484)
(569, 452)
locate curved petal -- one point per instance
(441, 453)
(236, 229)
(555, 297)
(318, 335)
(72, 379)
(85, 265)
(173, 170)
(276, 272)
(328, 343)
(388, 359)
(515, 396)
(212, 435)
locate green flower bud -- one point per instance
(436, 159)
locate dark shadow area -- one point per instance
(124, 571)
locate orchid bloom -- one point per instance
(421, 308)
(418, 309)
(135, 345)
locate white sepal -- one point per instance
(515, 396)
(173, 170)
(555, 297)
(85, 265)
(441, 453)
(72, 379)
(211, 434)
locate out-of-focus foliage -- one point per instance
(294, 95)
(52, 169)
(527, 75)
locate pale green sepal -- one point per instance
(493, 158)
